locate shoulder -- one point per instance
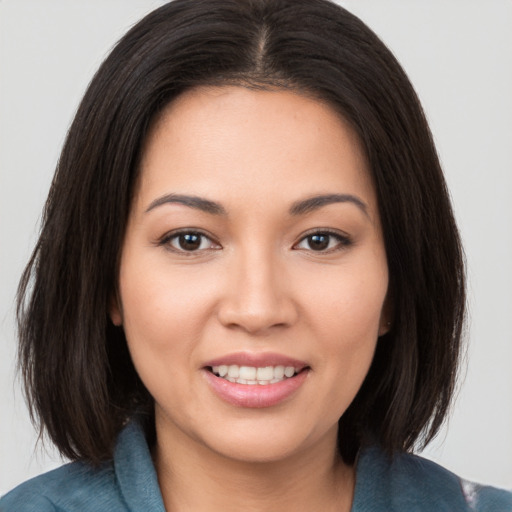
(128, 482)
(419, 474)
(71, 488)
(483, 498)
(411, 483)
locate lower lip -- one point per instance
(256, 395)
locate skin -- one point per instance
(255, 284)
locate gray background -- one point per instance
(458, 54)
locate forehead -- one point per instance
(216, 139)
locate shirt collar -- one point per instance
(135, 471)
(405, 482)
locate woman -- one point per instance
(249, 282)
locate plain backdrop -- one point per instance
(458, 54)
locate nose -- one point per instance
(258, 295)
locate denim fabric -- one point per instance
(406, 483)
(129, 483)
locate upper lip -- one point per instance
(259, 360)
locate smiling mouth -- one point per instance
(252, 375)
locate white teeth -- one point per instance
(266, 373)
(247, 372)
(251, 375)
(278, 372)
(289, 371)
(233, 371)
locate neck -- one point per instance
(194, 478)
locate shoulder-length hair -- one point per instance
(80, 382)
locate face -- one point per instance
(253, 274)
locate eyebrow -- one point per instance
(314, 203)
(198, 203)
(298, 208)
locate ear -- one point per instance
(114, 310)
(386, 315)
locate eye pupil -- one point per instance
(189, 241)
(318, 242)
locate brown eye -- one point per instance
(318, 242)
(188, 241)
(323, 241)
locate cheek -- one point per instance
(348, 302)
(160, 327)
(345, 313)
(162, 314)
(161, 301)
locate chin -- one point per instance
(273, 444)
(259, 451)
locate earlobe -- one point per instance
(386, 316)
(385, 326)
(115, 311)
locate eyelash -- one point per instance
(166, 241)
(343, 241)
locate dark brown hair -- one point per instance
(80, 382)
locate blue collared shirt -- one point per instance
(407, 483)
